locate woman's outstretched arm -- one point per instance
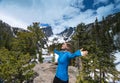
(77, 53)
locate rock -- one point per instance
(46, 73)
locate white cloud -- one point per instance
(84, 17)
(41, 9)
(117, 4)
(104, 10)
(88, 16)
(58, 29)
(12, 21)
(77, 4)
(96, 2)
(44, 11)
(57, 13)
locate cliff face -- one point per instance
(46, 73)
(48, 31)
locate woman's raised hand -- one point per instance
(84, 52)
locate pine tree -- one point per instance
(80, 40)
(38, 38)
(31, 41)
(99, 64)
(15, 67)
(24, 43)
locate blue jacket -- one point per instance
(63, 62)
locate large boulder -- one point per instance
(46, 73)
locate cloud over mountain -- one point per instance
(58, 13)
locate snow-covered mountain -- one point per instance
(61, 37)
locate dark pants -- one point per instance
(57, 80)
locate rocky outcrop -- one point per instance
(46, 73)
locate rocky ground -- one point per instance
(46, 73)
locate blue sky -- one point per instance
(57, 13)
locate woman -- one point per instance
(63, 61)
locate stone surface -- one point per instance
(46, 73)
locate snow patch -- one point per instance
(117, 55)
